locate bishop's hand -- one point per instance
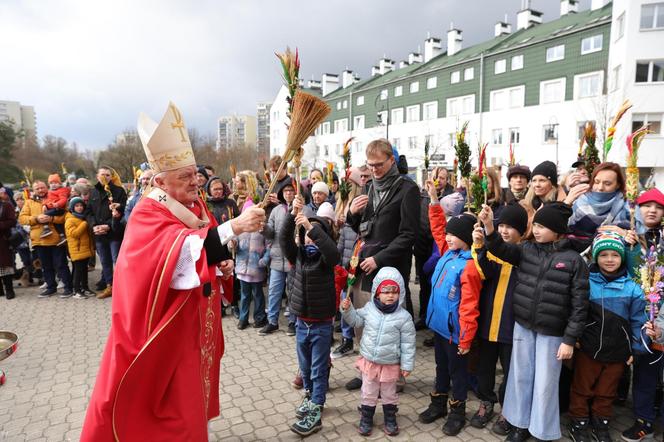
(252, 219)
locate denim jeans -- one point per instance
(644, 384)
(249, 290)
(531, 399)
(314, 340)
(275, 292)
(54, 259)
(108, 254)
(347, 331)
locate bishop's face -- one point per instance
(180, 184)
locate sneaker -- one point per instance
(483, 416)
(501, 427)
(62, 240)
(345, 349)
(66, 294)
(79, 295)
(43, 286)
(61, 285)
(310, 423)
(354, 384)
(291, 329)
(46, 293)
(88, 293)
(268, 329)
(303, 409)
(297, 382)
(639, 431)
(287, 312)
(579, 430)
(517, 434)
(600, 429)
(260, 324)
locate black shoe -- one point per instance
(268, 329)
(640, 430)
(260, 324)
(101, 285)
(391, 427)
(242, 325)
(420, 324)
(354, 384)
(600, 429)
(345, 349)
(428, 342)
(437, 408)
(46, 293)
(501, 427)
(291, 329)
(518, 435)
(579, 430)
(483, 415)
(366, 420)
(456, 419)
(66, 294)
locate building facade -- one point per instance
(263, 128)
(23, 117)
(236, 130)
(533, 88)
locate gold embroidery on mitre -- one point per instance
(179, 124)
(168, 160)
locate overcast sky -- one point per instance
(89, 67)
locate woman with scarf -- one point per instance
(544, 188)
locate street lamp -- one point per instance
(382, 109)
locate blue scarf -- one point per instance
(593, 209)
(385, 308)
(78, 215)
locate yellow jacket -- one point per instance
(79, 242)
(28, 217)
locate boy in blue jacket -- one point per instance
(452, 313)
(612, 335)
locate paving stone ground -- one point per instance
(50, 379)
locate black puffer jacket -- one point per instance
(551, 294)
(311, 283)
(100, 212)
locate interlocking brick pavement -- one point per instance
(50, 379)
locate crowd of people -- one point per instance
(541, 279)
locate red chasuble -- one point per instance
(158, 378)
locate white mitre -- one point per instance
(166, 144)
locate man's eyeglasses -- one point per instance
(375, 166)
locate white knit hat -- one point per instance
(320, 187)
(326, 210)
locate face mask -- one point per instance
(311, 250)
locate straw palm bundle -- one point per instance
(608, 143)
(590, 155)
(632, 185)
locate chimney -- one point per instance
(454, 40)
(385, 65)
(375, 70)
(598, 4)
(502, 28)
(527, 17)
(314, 84)
(569, 7)
(403, 64)
(414, 57)
(347, 78)
(432, 48)
(330, 83)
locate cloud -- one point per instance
(89, 67)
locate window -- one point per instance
(428, 139)
(414, 87)
(468, 74)
(615, 77)
(396, 143)
(649, 71)
(383, 94)
(461, 105)
(412, 143)
(550, 132)
(360, 100)
(555, 53)
(381, 118)
(517, 62)
(455, 77)
(620, 26)
(398, 91)
(412, 113)
(654, 122)
(358, 122)
(591, 44)
(588, 85)
(552, 91)
(581, 128)
(515, 135)
(453, 107)
(652, 16)
(345, 104)
(430, 110)
(339, 105)
(327, 150)
(432, 82)
(397, 116)
(358, 146)
(500, 66)
(326, 128)
(509, 98)
(341, 125)
(497, 137)
(468, 104)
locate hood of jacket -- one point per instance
(393, 274)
